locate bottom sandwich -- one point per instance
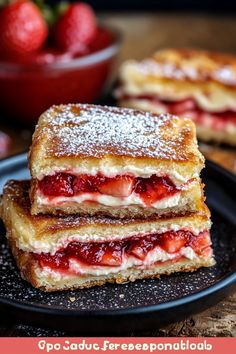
(56, 253)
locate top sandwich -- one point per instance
(85, 159)
(194, 83)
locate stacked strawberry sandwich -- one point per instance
(115, 196)
(197, 84)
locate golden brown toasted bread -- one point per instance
(206, 79)
(30, 236)
(191, 65)
(91, 140)
(69, 135)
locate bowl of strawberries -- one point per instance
(52, 55)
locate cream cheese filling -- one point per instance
(109, 200)
(155, 255)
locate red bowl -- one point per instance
(28, 89)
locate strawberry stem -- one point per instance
(51, 13)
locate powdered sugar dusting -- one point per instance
(190, 65)
(167, 70)
(96, 131)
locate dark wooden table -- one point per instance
(143, 34)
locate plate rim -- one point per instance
(224, 283)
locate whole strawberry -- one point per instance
(76, 28)
(22, 28)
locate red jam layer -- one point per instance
(190, 107)
(149, 189)
(112, 253)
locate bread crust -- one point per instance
(189, 65)
(94, 139)
(179, 75)
(90, 137)
(220, 136)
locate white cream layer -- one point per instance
(156, 255)
(109, 200)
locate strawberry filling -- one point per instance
(149, 189)
(112, 253)
(188, 107)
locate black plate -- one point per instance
(134, 306)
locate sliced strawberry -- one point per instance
(119, 186)
(182, 106)
(85, 183)
(112, 256)
(138, 252)
(60, 184)
(154, 188)
(173, 245)
(140, 248)
(106, 254)
(229, 117)
(172, 242)
(81, 184)
(58, 261)
(150, 197)
(200, 242)
(206, 252)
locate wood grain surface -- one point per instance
(143, 34)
